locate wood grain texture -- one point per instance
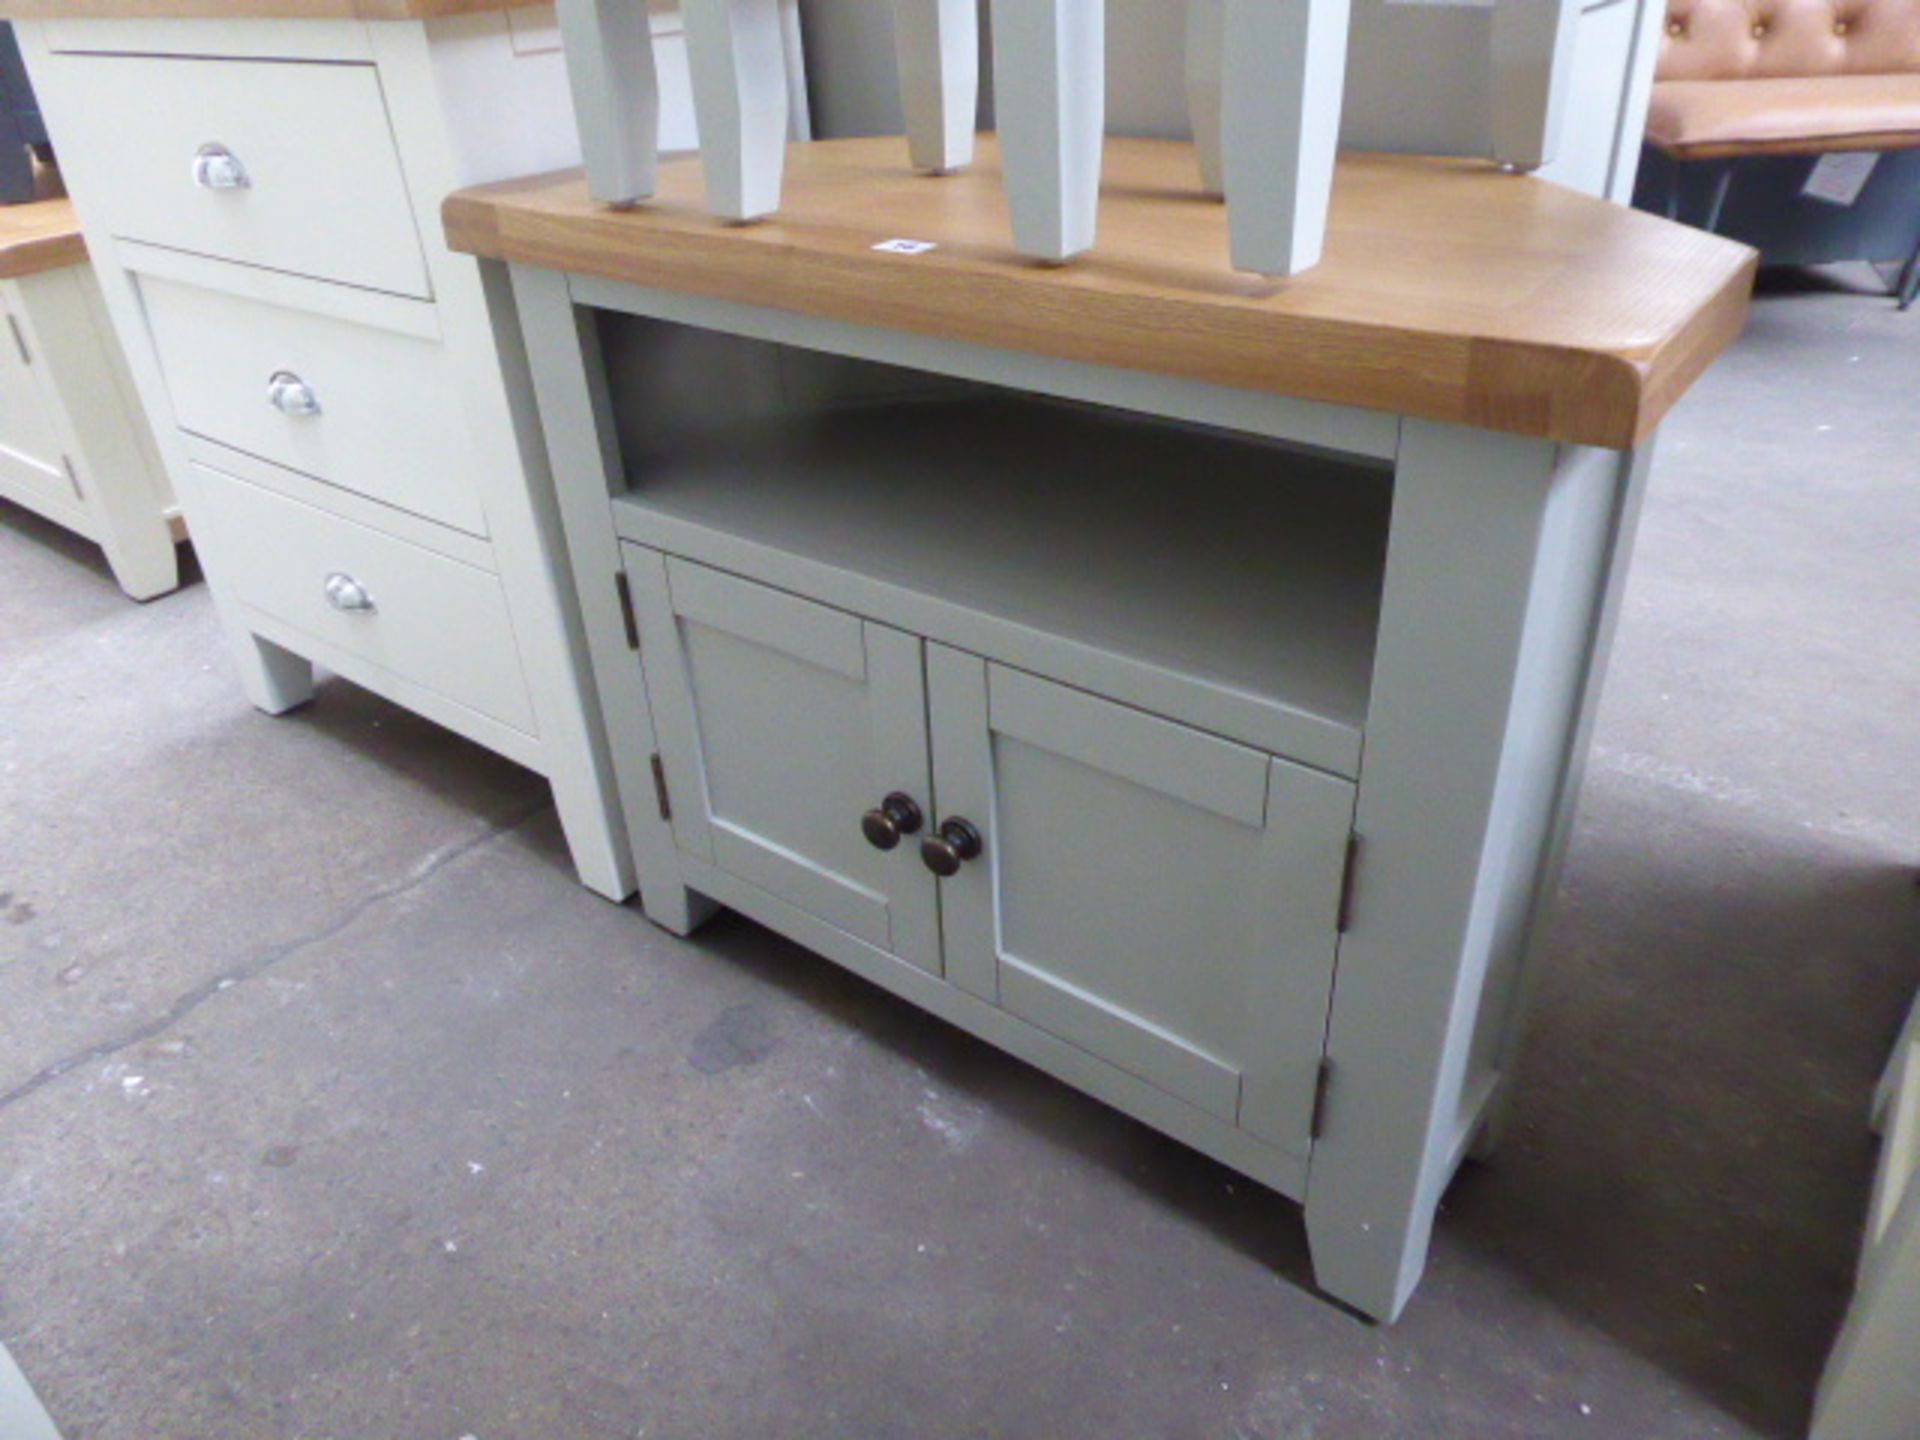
(43, 235)
(251, 9)
(1447, 291)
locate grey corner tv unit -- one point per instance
(1178, 680)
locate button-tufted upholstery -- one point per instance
(1780, 39)
(1787, 77)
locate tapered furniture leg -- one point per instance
(569, 379)
(274, 678)
(1908, 286)
(1206, 77)
(1480, 683)
(616, 95)
(1051, 94)
(736, 52)
(1286, 65)
(1534, 44)
(1890, 1078)
(59, 318)
(939, 47)
(1870, 1389)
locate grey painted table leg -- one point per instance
(1481, 676)
(737, 56)
(1206, 85)
(616, 95)
(1286, 66)
(570, 385)
(1050, 92)
(1535, 43)
(938, 42)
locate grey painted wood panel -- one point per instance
(1144, 543)
(1106, 1082)
(569, 381)
(777, 736)
(1132, 875)
(1465, 741)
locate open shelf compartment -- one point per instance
(1225, 580)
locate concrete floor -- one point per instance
(331, 1108)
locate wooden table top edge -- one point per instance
(38, 236)
(252, 9)
(1610, 395)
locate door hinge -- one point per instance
(1349, 882)
(20, 340)
(660, 788)
(1323, 1082)
(625, 591)
(73, 477)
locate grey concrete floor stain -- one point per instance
(742, 1035)
(516, 1207)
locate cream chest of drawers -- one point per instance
(341, 400)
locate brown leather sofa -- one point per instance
(1739, 79)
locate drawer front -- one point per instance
(435, 621)
(315, 187)
(371, 410)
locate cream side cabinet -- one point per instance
(342, 402)
(74, 445)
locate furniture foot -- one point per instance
(1907, 288)
(276, 680)
(616, 96)
(1534, 48)
(1366, 1265)
(1491, 1133)
(149, 570)
(595, 836)
(1285, 79)
(737, 53)
(1723, 182)
(675, 908)
(938, 42)
(1883, 1093)
(1206, 85)
(1050, 90)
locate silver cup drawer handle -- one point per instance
(217, 168)
(291, 395)
(347, 594)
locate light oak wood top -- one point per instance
(1449, 290)
(250, 9)
(39, 236)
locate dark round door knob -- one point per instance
(950, 847)
(898, 815)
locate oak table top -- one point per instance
(250, 9)
(1450, 290)
(40, 235)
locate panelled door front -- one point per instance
(29, 442)
(1162, 898)
(794, 740)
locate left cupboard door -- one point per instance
(785, 728)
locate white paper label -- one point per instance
(1839, 179)
(906, 247)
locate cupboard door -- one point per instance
(781, 723)
(30, 461)
(1160, 897)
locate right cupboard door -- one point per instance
(780, 723)
(1157, 896)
